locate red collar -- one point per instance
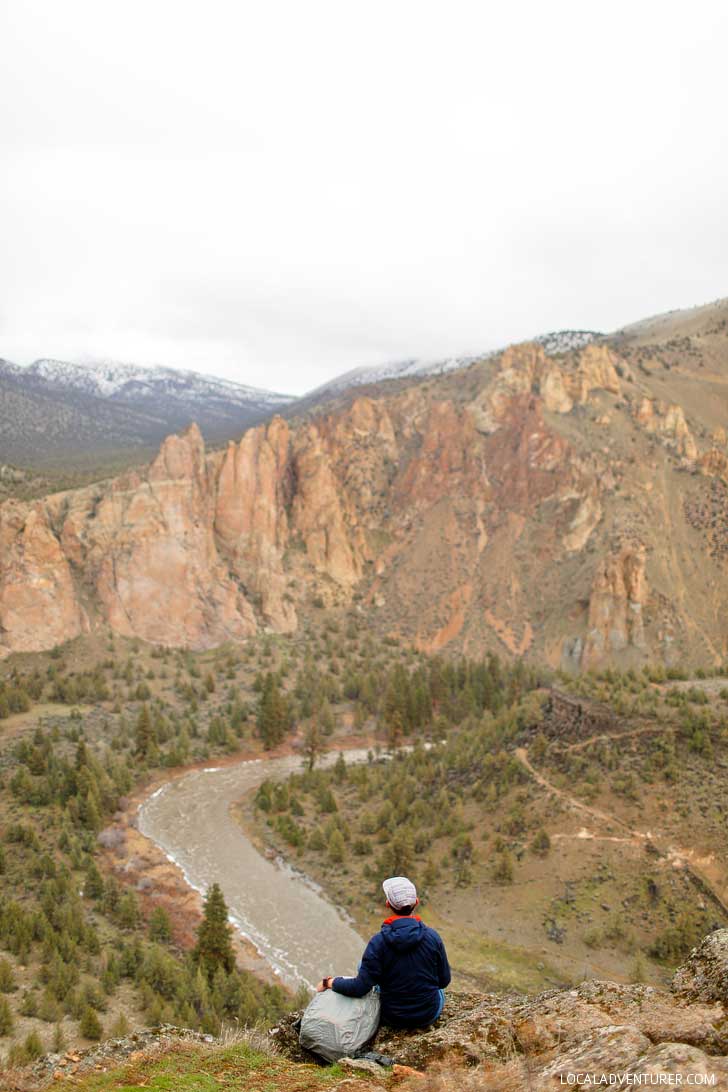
(401, 917)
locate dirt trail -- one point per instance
(577, 805)
(702, 870)
(607, 737)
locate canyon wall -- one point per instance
(511, 507)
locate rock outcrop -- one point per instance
(596, 1029)
(525, 368)
(464, 510)
(714, 464)
(39, 606)
(616, 603)
(668, 422)
(704, 975)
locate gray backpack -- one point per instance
(334, 1026)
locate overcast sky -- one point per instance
(277, 192)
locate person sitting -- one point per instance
(406, 959)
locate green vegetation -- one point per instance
(84, 728)
(460, 812)
(416, 812)
(95, 723)
(213, 952)
(187, 1066)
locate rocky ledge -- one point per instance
(590, 1036)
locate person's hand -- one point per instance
(324, 984)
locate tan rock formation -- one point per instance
(618, 596)
(714, 464)
(556, 397)
(668, 422)
(159, 574)
(585, 519)
(596, 370)
(518, 368)
(317, 513)
(254, 485)
(39, 606)
(524, 368)
(460, 510)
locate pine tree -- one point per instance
(214, 944)
(328, 721)
(89, 1025)
(93, 887)
(336, 847)
(503, 867)
(274, 712)
(340, 772)
(144, 733)
(128, 911)
(6, 1017)
(160, 927)
(7, 977)
(312, 743)
(541, 843)
(120, 1027)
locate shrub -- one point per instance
(89, 1025)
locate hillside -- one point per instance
(568, 508)
(587, 834)
(95, 923)
(57, 415)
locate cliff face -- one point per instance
(525, 504)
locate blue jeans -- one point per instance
(441, 1005)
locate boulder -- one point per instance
(704, 975)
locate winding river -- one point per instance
(285, 915)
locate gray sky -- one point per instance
(279, 191)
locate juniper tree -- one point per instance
(273, 716)
(214, 936)
(160, 927)
(6, 1017)
(7, 976)
(312, 743)
(93, 887)
(144, 733)
(89, 1025)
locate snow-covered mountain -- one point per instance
(124, 382)
(55, 408)
(405, 369)
(559, 341)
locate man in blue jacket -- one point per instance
(405, 959)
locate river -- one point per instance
(284, 914)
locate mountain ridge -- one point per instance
(534, 505)
(56, 411)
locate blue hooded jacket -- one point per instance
(407, 960)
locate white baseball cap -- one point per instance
(399, 892)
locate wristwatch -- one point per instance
(329, 981)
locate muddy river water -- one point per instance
(285, 915)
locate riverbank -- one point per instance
(137, 861)
(161, 877)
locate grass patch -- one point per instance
(191, 1067)
(496, 965)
